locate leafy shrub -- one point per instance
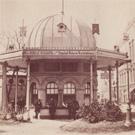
(96, 112)
(113, 112)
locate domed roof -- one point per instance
(58, 31)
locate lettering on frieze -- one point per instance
(57, 52)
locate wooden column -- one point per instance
(128, 121)
(60, 98)
(91, 81)
(110, 83)
(28, 89)
(60, 94)
(95, 81)
(4, 92)
(16, 90)
(117, 81)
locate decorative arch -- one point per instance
(46, 80)
(73, 80)
(36, 80)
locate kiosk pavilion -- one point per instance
(61, 60)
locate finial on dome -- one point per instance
(62, 11)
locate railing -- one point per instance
(55, 51)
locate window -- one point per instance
(51, 92)
(87, 93)
(87, 88)
(69, 92)
(52, 88)
(69, 88)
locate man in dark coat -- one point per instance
(52, 108)
(73, 106)
(38, 106)
(69, 106)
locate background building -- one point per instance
(127, 44)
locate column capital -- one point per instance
(17, 68)
(109, 68)
(91, 60)
(117, 64)
(28, 60)
(60, 90)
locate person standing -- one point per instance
(38, 106)
(75, 107)
(70, 108)
(52, 108)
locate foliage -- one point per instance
(113, 112)
(96, 112)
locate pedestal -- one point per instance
(128, 121)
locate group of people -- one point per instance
(52, 108)
(72, 107)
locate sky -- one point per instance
(113, 16)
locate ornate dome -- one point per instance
(58, 31)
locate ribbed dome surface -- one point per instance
(58, 31)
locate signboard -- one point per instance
(58, 52)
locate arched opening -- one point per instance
(10, 90)
(51, 92)
(69, 92)
(22, 89)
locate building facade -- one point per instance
(60, 60)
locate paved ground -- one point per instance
(44, 127)
(37, 127)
